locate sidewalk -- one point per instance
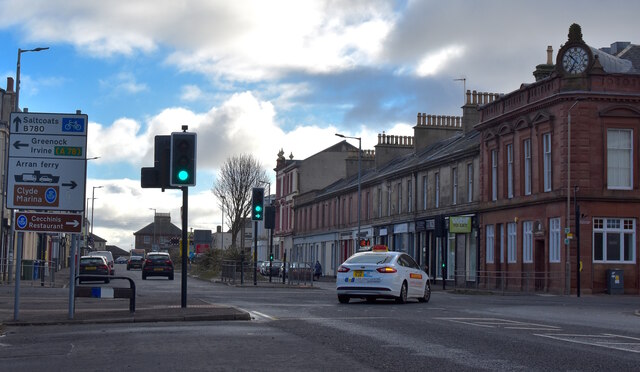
(49, 306)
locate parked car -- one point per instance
(121, 260)
(108, 256)
(382, 274)
(135, 262)
(297, 271)
(93, 268)
(275, 268)
(157, 264)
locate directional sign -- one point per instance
(48, 222)
(47, 161)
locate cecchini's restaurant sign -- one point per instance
(459, 224)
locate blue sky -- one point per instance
(258, 76)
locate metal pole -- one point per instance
(93, 192)
(255, 252)
(72, 275)
(16, 304)
(568, 250)
(185, 244)
(578, 263)
(359, 188)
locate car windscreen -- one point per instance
(373, 258)
(92, 261)
(157, 257)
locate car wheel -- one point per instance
(144, 277)
(371, 300)
(171, 277)
(403, 294)
(343, 299)
(427, 293)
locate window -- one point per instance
(424, 193)
(490, 243)
(546, 143)
(510, 171)
(379, 201)
(619, 159)
(614, 240)
(527, 241)
(527, 167)
(494, 175)
(388, 201)
(399, 203)
(501, 237)
(409, 196)
(454, 185)
(554, 239)
(511, 242)
(469, 183)
(437, 190)
(147, 239)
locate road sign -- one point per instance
(47, 161)
(48, 222)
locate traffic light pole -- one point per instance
(255, 252)
(185, 243)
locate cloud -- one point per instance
(123, 81)
(191, 93)
(435, 62)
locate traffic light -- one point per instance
(257, 204)
(182, 169)
(271, 257)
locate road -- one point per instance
(307, 329)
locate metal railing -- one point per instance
(35, 273)
(241, 272)
(511, 281)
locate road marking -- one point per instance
(502, 323)
(606, 340)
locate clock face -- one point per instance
(575, 60)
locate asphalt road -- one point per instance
(307, 329)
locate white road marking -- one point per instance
(606, 340)
(502, 323)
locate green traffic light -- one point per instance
(183, 175)
(258, 208)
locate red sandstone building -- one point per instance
(568, 140)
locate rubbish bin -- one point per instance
(27, 270)
(615, 281)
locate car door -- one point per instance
(414, 275)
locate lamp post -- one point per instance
(154, 226)
(359, 171)
(568, 255)
(20, 51)
(84, 220)
(6, 165)
(93, 198)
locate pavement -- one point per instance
(50, 306)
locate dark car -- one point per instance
(275, 268)
(157, 264)
(93, 268)
(297, 271)
(135, 262)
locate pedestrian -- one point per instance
(317, 270)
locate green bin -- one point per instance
(27, 270)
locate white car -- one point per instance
(382, 274)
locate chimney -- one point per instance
(430, 129)
(545, 70)
(9, 84)
(390, 147)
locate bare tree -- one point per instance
(238, 175)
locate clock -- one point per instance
(575, 60)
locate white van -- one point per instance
(108, 256)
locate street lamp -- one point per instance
(20, 51)
(359, 171)
(154, 226)
(568, 263)
(93, 198)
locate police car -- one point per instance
(379, 273)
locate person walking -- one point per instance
(317, 271)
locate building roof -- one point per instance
(96, 238)
(116, 251)
(161, 228)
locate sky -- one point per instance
(255, 76)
